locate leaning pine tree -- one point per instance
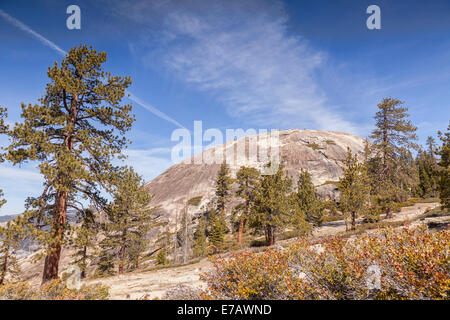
(74, 132)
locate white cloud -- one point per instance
(150, 162)
(17, 184)
(19, 175)
(244, 55)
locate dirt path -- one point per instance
(406, 213)
(155, 283)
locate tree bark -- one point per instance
(83, 272)
(59, 219)
(270, 236)
(5, 265)
(240, 231)
(353, 220)
(122, 253)
(51, 263)
(389, 213)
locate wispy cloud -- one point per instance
(149, 162)
(20, 176)
(60, 51)
(17, 184)
(153, 110)
(30, 31)
(243, 54)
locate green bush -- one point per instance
(313, 146)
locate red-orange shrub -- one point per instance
(389, 264)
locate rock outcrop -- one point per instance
(319, 152)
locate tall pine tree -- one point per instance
(393, 136)
(223, 187)
(74, 133)
(200, 243)
(274, 206)
(129, 217)
(247, 180)
(307, 199)
(84, 240)
(444, 170)
(217, 229)
(3, 129)
(426, 171)
(11, 236)
(353, 187)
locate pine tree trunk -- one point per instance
(83, 272)
(122, 254)
(353, 220)
(240, 232)
(59, 219)
(5, 266)
(122, 259)
(389, 213)
(185, 236)
(270, 236)
(175, 240)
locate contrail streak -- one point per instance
(153, 110)
(53, 46)
(26, 28)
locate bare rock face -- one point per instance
(319, 152)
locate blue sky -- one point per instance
(236, 64)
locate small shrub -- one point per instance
(183, 292)
(252, 276)
(372, 215)
(53, 290)
(16, 291)
(161, 259)
(258, 243)
(195, 201)
(313, 146)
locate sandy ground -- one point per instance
(154, 283)
(406, 214)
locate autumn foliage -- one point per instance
(389, 264)
(53, 290)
